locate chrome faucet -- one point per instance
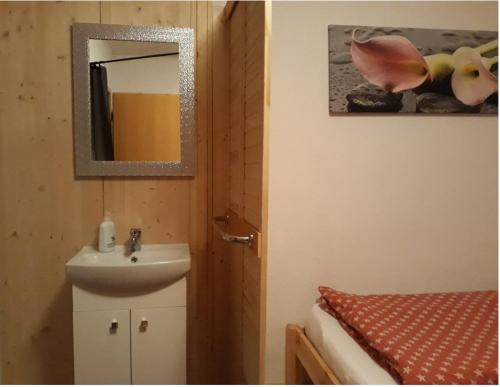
(135, 240)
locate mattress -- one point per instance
(350, 363)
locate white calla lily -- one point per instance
(471, 80)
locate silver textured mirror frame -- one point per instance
(84, 164)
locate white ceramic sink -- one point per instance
(153, 266)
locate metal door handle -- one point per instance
(245, 239)
(143, 325)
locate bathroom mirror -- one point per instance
(133, 95)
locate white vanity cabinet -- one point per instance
(101, 354)
(130, 339)
(158, 350)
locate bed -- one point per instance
(457, 329)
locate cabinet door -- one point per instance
(101, 348)
(158, 345)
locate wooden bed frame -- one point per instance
(303, 362)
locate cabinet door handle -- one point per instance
(144, 324)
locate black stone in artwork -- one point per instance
(369, 98)
(442, 104)
(350, 92)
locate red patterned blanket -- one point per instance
(440, 338)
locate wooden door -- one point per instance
(102, 350)
(240, 191)
(146, 127)
(158, 346)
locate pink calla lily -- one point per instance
(391, 62)
(471, 81)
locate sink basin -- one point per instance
(154, 266)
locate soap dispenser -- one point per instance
(107, 234)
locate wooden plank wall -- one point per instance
(243, 290)
(226, 330)
(253, 268)
(200, 290)
(47, 214)
(255, 187)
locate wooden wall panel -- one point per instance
(148, 13)
(247, 197)
(255, 183)
(237, 38)
(227, 188)
(46, 215)
(160, 207)
(218, 177)
(200, 290)
(253, 273)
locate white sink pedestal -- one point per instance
(129, 336)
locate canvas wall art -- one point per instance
(412, 70)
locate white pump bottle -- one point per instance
(107, 234)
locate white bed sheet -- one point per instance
(346, 358)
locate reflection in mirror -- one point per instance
(134, 92)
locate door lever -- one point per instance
(244, 239)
